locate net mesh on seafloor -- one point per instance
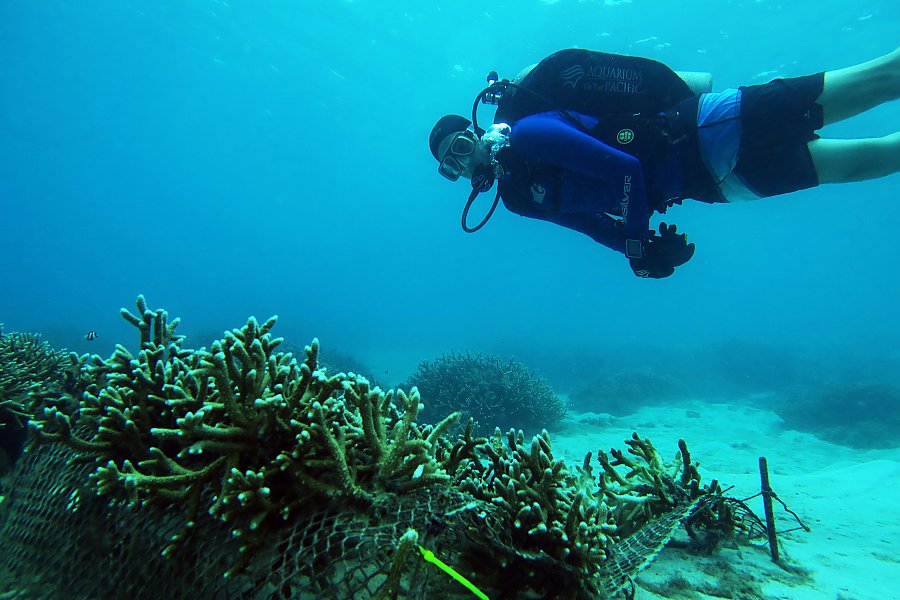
(60, 540)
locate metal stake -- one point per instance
(767, 503)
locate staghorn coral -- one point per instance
(573, 517)
(549, 514)
(261, 441)
(265, 433)
(646, 487)
(335, 361)
(488, 389)
(27, 364)
(30, 371)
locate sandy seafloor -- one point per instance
(849, 498)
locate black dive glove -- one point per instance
(660, 254)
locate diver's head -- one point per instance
(456, 147)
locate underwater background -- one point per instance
(228, 159)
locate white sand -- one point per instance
(849, 498)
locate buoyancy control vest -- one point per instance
(643, 107)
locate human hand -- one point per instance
(674, 246)
(662, 253)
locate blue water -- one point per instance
(229, 159)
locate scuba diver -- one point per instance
(598, 142)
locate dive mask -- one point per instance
(462, 145)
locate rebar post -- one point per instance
(767, 503)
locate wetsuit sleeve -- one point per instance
(549, 138)
(600, 227)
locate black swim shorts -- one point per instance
(778, 119)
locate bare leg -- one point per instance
(848, 92)
(842, 161)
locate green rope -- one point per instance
(429, 556)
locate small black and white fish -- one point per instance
(91, 335)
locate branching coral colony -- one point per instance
(30, 371)
(26, 364)
(257, 438)
(487, 388)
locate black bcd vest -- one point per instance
(643, 107)
(596, 84)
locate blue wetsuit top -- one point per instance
(602, 191)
